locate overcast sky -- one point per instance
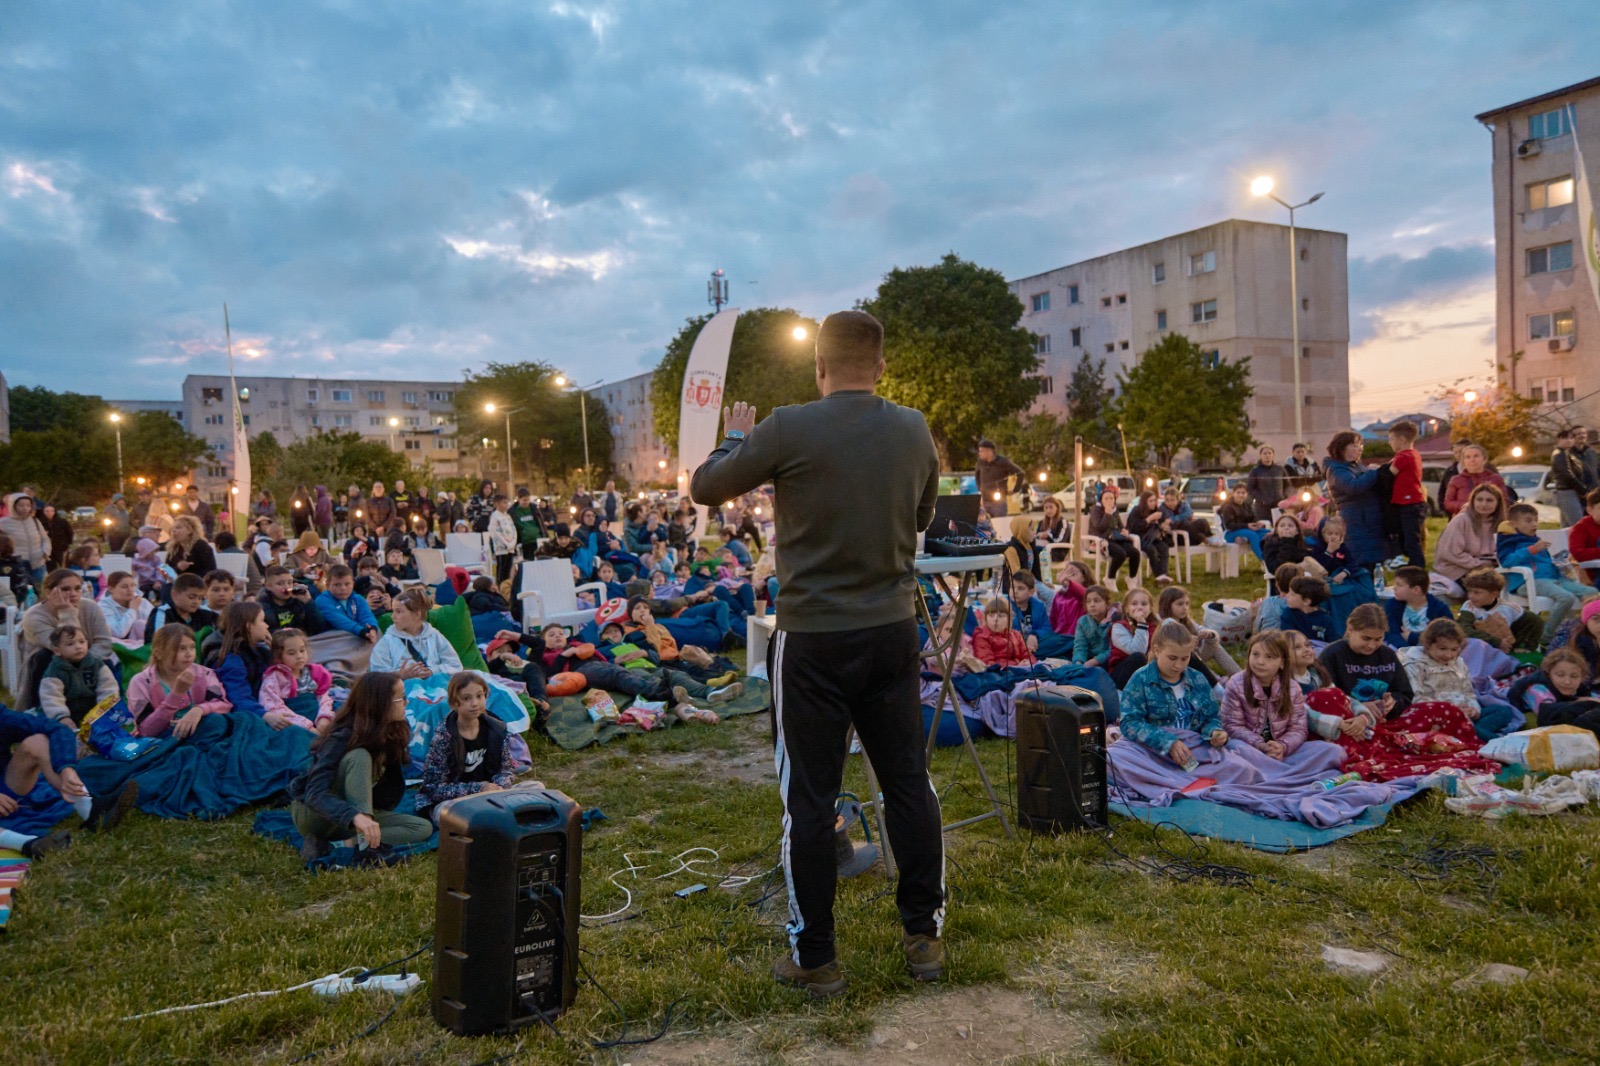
(407, 189)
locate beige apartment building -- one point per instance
(1545, 306)
(1225, 287)
(415, 418)
(637, 454)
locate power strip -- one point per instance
(334, 985)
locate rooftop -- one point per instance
(1592, 83)
(1172, 237)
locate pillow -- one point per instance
(565, 684)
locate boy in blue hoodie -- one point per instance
(1412, 607)
(1031, 618)
(1522, 547)
(341, 608)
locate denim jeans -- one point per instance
(1566, 594)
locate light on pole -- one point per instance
(511, 478)
(116, 423)
(394, 423)
(1263, 186)
(561, 381)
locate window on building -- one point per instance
(443, 444)
(437, 396)
(1158, 273)
(341, 395)
(1204, 311)
(1557, 192)
(1047, 385)
(1105, 301)
(341, 421)
(438, 420)
(1550, 258)
(408, 397)
(1549, 124)
(1202, 263)
(375, 420)
(1111, 347)
(413, 421)
(312, 395)
(1542, 327)
(1161, 320)
(1305, 303)
(210, 395)
(375, 396)
(1122, 298)
(1123, 345)
(1212, 359)
(1077, 337)
(1041, 301)
(315, 421)
(1041, 344)
(413, 444)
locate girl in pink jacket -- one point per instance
(296, 685)
(1261, 704)
(173, 693)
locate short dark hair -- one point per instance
(1415, 576)
(61, 634)
(1313, 590)
(1404, 430)
(273, 571)
(1592, 499)
(1565, 432)
(1442, 629)
(185, 582)
(1486, 578)
(637, 587)
(366, 562)
(1342, 440)
(482, 583)
(1283, 575)
(1516, 510)
(986, 443)
(1025, 578)
(339, 570)
(219, 577)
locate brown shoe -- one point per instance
(819, 981)
(924, 956)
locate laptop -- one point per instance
(954, 516)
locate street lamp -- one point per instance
(511, 478)
(116, 422)
(561, 381)
(1471, 396)
(1262, 186)
(394, 424)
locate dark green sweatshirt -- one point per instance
(855, 478)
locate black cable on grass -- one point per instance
(347, 1041)
(400, 962)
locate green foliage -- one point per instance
(955, 351)
(335, 459)
(1089, 405)
(67, 466)
(544, 413)
(1036, 443)
(156, 446)
(35, 409)
(767, 366)
(1497, 420)
(266, 454)
(1172, 400)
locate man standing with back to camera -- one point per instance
(855, 478)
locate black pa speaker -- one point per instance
(505, 933)
(1061, 767)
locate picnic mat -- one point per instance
(13, 871)
(1215, 821)
(568, 723)
(278, 825)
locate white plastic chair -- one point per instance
(235, 563)
(1046, 562)
(10, 648)
(430, 565)
(1527, 594)
(549, 595)
(1094, 548)
(113, 563)
(469, 551)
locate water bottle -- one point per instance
(1334, 782)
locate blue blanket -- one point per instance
(230, 761)
(279, 825)
(1218, 822)
(427, 708)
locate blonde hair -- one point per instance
(192, 524)
(1172, 634)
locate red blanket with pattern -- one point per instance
(1429, 736)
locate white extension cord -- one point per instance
(337, 985)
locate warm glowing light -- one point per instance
(800, 333)
(106, 522)
(297, 505)
(1088, 460)
(1261, 186)
(489, 407)
(1471, 396)
(1149, 482)
(1042, 475)
(140, 480)
(1516, 453)
(175, 505)
(234, 490)
(358, 512)
(115, 417)
(572, 510)
(1305, 497)
(683, 477)
(997, 494)
(560, 381)
(393, 422)
(758, 510)
(1222, 495)
(661, 464)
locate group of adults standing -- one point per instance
(1574, 473)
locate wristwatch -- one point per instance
(734, 434)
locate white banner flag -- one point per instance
(238, 501)
(700, 413)
(1583, 194)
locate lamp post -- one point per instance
(116, 423)
(561, 381)
(511, 478)
(394, 424)
(1262, 186)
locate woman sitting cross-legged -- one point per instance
(357, 776)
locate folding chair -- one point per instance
(430, 565)
(549, 595)
(469, 551)
(235, 563)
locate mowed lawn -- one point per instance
(1098, 958)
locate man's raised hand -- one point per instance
(740, 418)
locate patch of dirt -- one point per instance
(957, 1027)
(747, 767)
(316, 910)
(1322, 860)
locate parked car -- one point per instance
(1531, 482)
(1126, 485)
(83, 514)
(1432, 474)
(1207, 492)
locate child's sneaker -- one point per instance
(726, 693)
(723, 679)
(688, 712)
(39, 847)
(106, 812)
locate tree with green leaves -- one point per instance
(332, 458)
(1499, 419)
(767, 365)
(542, 411)
(35, 409)
(1089, 402)
(1177, 397)
(67, 466)
(1037, 443)
(955, 351)
(157, 446)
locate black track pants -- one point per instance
(822, 684)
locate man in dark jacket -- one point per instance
(1566, 478)
(1302, 469)
(996, 474)
(1268, 484)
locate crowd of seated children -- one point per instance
(1031, 618)
(662, 685)
(294, 685)
(1522, 547)
(173, 693)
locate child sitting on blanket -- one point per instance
(1333, 555)
(240, 652)
(171, 695)
(1304, 667)
(1413, 607)
(1303, 610)
(1437, 672)
(1168, 694)
(966, 661)
(126, 611)
(1091, 641)
(1031, 618)
(1367, 670)
(1130, 636)
(996, 643)
(1560, 692)
(32, 747)
(1269, 615)
(1262, 706)
(75, 681)
(295, 685)
(1067, 605)
(1174, 604)
(412, 648)
(1491, 618)
(470, 752)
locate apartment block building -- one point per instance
(416, 418)
(637, 454)
(1547, 321)
(172, 408)
(1225, 287)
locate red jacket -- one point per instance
(1463, 485)
(1584, 540)
(1001, 649)
(1407, 478)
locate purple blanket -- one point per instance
(1250, 780)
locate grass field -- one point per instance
(1061, 951)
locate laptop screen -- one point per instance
(954, 516)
